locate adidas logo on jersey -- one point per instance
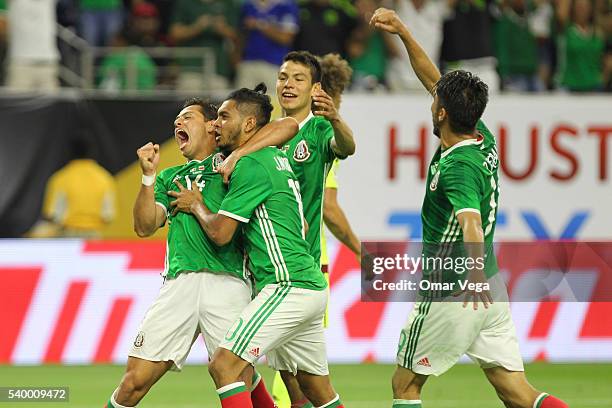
(254, 352)
(424, 362)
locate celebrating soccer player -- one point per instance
(199, 275)
(460, 205)
(323, 136)
(286, 316)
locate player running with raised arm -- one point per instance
(286, 316)
(460, 205)
(198, 274)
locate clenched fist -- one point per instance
(387, 20)
(148, 156)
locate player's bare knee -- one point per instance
(406, 385)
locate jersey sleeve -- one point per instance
(161, 192)
(249, 186)
(462, 185)
(332, 179)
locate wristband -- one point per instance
(148, 180)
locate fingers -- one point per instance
(179, 185)
(173, 194)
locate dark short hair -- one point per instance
(209, 110)
(254, 102)
(307, 59)
(464, 97)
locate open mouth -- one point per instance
(182, 137)
(288, 95)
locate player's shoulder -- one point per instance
(170, 172)
(261, 159)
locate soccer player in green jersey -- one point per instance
(286, 316)
(460, 205)
(198, 275)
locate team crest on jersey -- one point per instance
(301, 152)
(434, 181)
(217, 160)
(139, 341)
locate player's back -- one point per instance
(266, 196)
(462, 178)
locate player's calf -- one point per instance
(407, 387)
(225, 368)
(139, 377)
(318, 390)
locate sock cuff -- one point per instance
(256, 380)
(406, 403)
(333, 403)
(114, 403)
(231, 389)
(538, 401)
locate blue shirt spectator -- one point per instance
(270, 27)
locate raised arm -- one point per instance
(148, 216)
(424, 68)
(275, 133)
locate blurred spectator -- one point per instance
(325, 26)
(270, 27)
(468, 41)
(164, 8)
(204, 23)
(368, 49)
(581, 47)
(100, 20)
(3, 27)
(33, 54)
(129, 68)
(80, 198)
(144, 26)
(425, 19)
(540, 23)
(516, 49)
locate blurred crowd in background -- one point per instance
(514, 45)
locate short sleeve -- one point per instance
(249, 186)
(161, 193)
(323, 137)
(332, 180)
(462, 184)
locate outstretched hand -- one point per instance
(324, 105)
(185, 199)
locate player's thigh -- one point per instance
(512, 387)
(306, 350)
(496, 344)
(271, 319)
(170, 326)
(223, 298)
(436, 335)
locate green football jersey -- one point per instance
(265, 195)
(188, 247)
(311, 157)
(462, 178)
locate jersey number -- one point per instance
(295, 186)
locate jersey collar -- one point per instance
(302, 123)
(199, 161)
(467, 142)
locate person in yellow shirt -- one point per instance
(80, 199)
(336, 77)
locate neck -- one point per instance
(205, 152)
(449, 139)
(298, 115)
